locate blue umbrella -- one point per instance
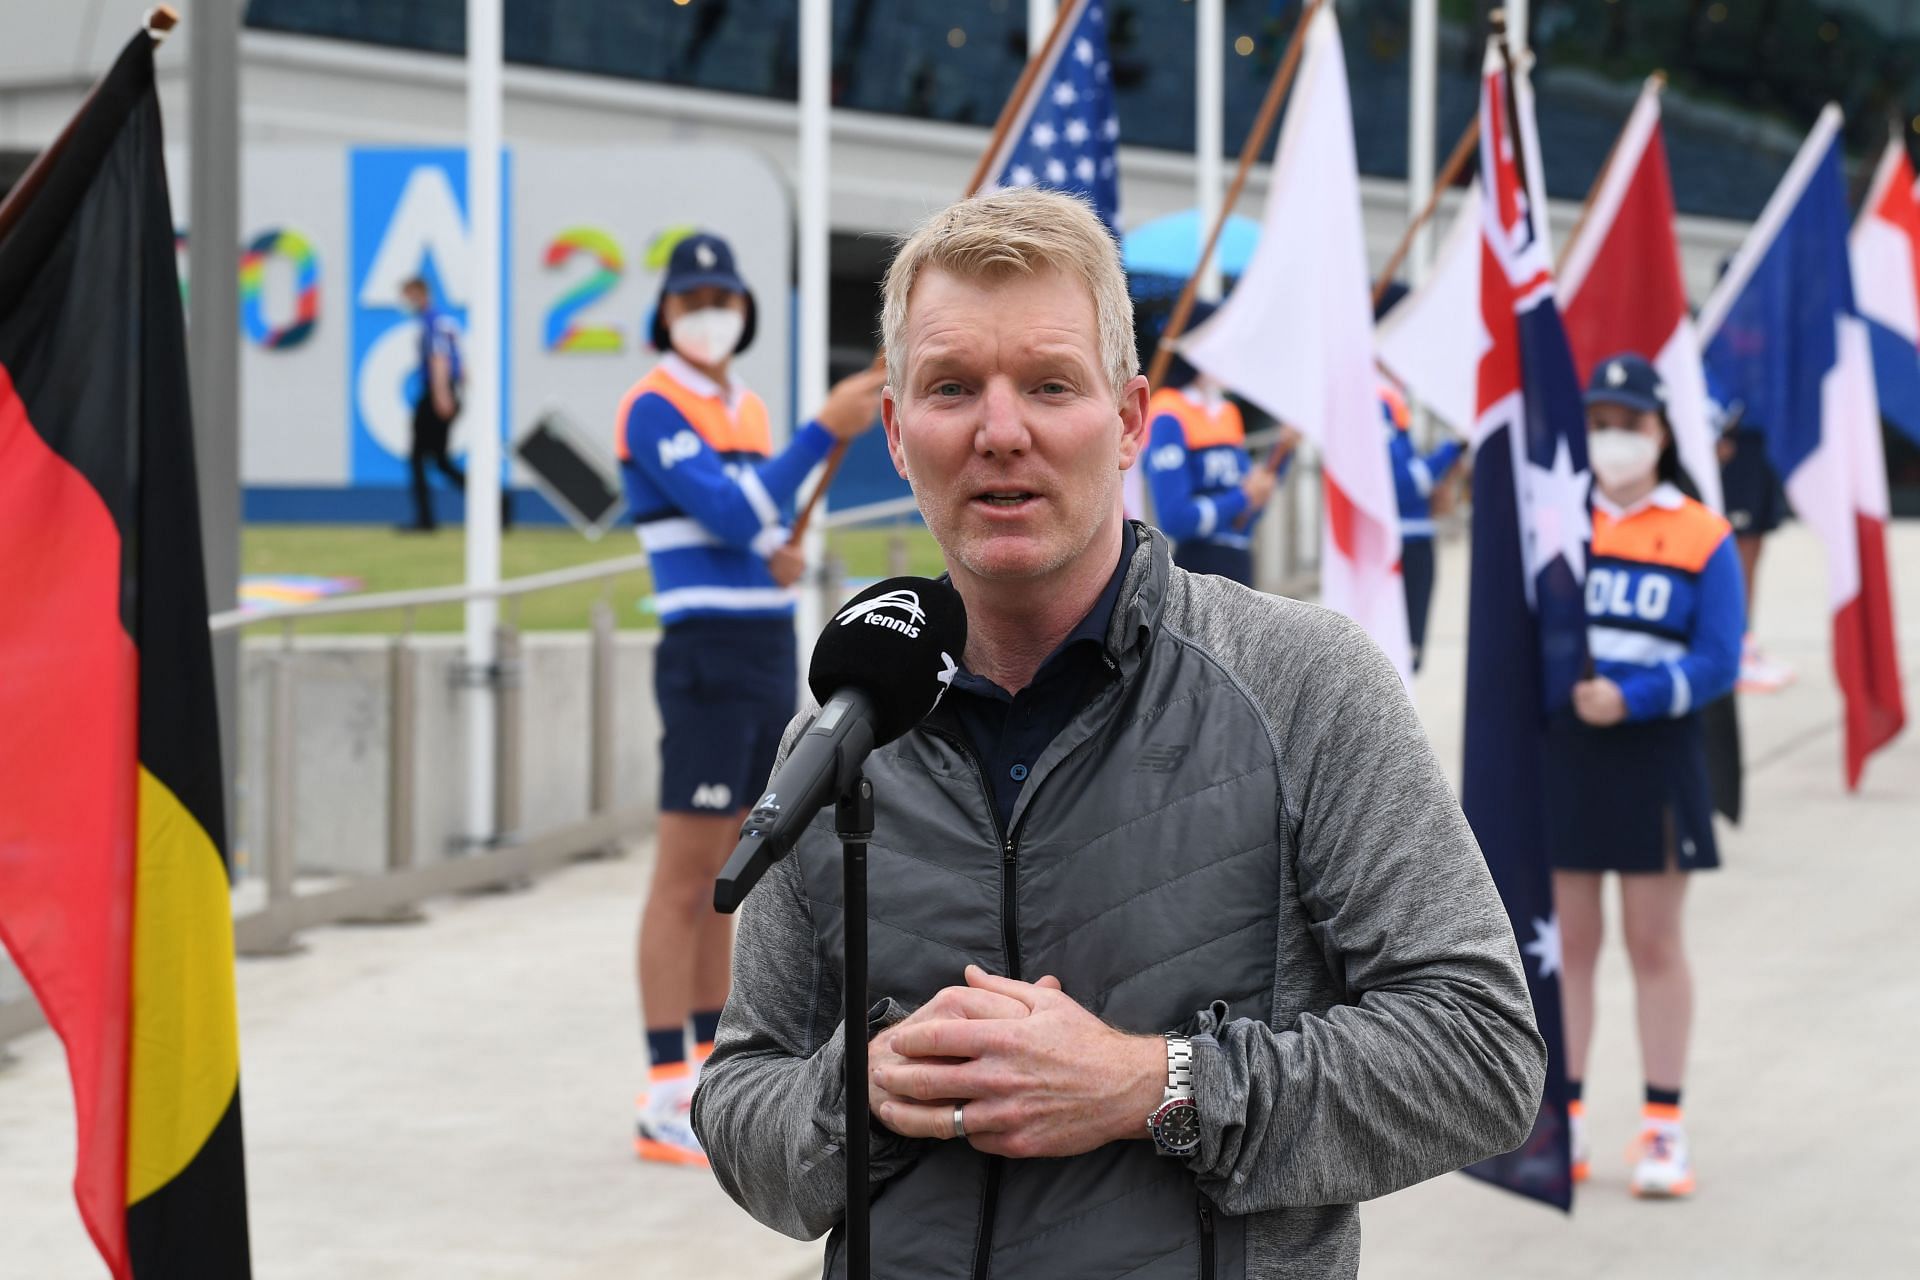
(1170, 246)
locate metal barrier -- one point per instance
(394, 895)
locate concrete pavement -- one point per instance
(452, 1100)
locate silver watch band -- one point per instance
(1179, 1067)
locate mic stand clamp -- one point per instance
(853, 823)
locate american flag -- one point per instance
(1066, 134)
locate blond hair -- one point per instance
(1016, 231)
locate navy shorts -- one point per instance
(1755, 502)
(727, 689)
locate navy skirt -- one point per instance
(1634, 797)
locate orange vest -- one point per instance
(1202, 429)
(744, 430)
(1679, 537)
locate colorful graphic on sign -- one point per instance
(298, 253)
(408, 217)
(564, 331)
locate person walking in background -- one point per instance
(1756, 506)
(1414, 479)
(436, 404)
(710, 498)
(1207, 494)
(1626, 771)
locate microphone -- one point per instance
(878, 668)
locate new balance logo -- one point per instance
(905, 601)
(1159, 759)
(713, 795)
(678, 448)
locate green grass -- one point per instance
(387, 560)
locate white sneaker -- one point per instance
(1577, 1139)
(663, 1120)
(1663, 1170)
(1759, 673)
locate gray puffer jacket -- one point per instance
(1242, 835)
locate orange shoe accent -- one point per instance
(1660, 1113)
(670, 1071)
(665, 1153)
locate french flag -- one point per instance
(1885, 248)
(1621, 288)
(1784, 336)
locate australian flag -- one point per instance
(1065, 132)
(1526, 620)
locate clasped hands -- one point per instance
(1037, 1073)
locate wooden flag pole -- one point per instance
(1255, 143)
(1659, 82)
(1449, 174)
(1001, 127)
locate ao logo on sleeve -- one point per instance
(1615, 593)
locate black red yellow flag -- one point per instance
(113, 876)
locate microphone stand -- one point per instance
(853, 823)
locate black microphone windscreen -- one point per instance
(899, 642)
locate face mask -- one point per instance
(1622, 459)
(708, 336)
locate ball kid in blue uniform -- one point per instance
(1625, 773)
(1207, 494)
(710, 500)
(1415, 476)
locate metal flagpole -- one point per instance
(483, 407)
(1422, 108)
(1209, 127)
(213, 348)
(816, 71)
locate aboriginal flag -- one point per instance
(113, 877)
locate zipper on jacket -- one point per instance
(990, 1193)
(1206, 1239)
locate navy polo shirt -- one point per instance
(1009, 731)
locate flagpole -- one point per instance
(1001, 127)
(483, 412)
(1656, 82)
(1256, 141)
(816, 74)
(1449, 174)
(1209, 125)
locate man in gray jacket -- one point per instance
(1180, 944)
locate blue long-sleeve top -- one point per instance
(1666, 604)
(1414, 479)
(1196, 459)
(710, 500)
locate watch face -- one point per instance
(1176, 1126)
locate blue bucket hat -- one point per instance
(699, 261)
(1630, 380)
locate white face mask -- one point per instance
(1622, 459)
(707, 336)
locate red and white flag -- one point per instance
(1621, 288)
(1296, 338)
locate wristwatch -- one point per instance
(1175, 1123)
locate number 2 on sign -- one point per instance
(564, 332)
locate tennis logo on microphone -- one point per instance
(905, 601)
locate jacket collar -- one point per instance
(1665, 496)
(1143, 594)
(700, 384)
